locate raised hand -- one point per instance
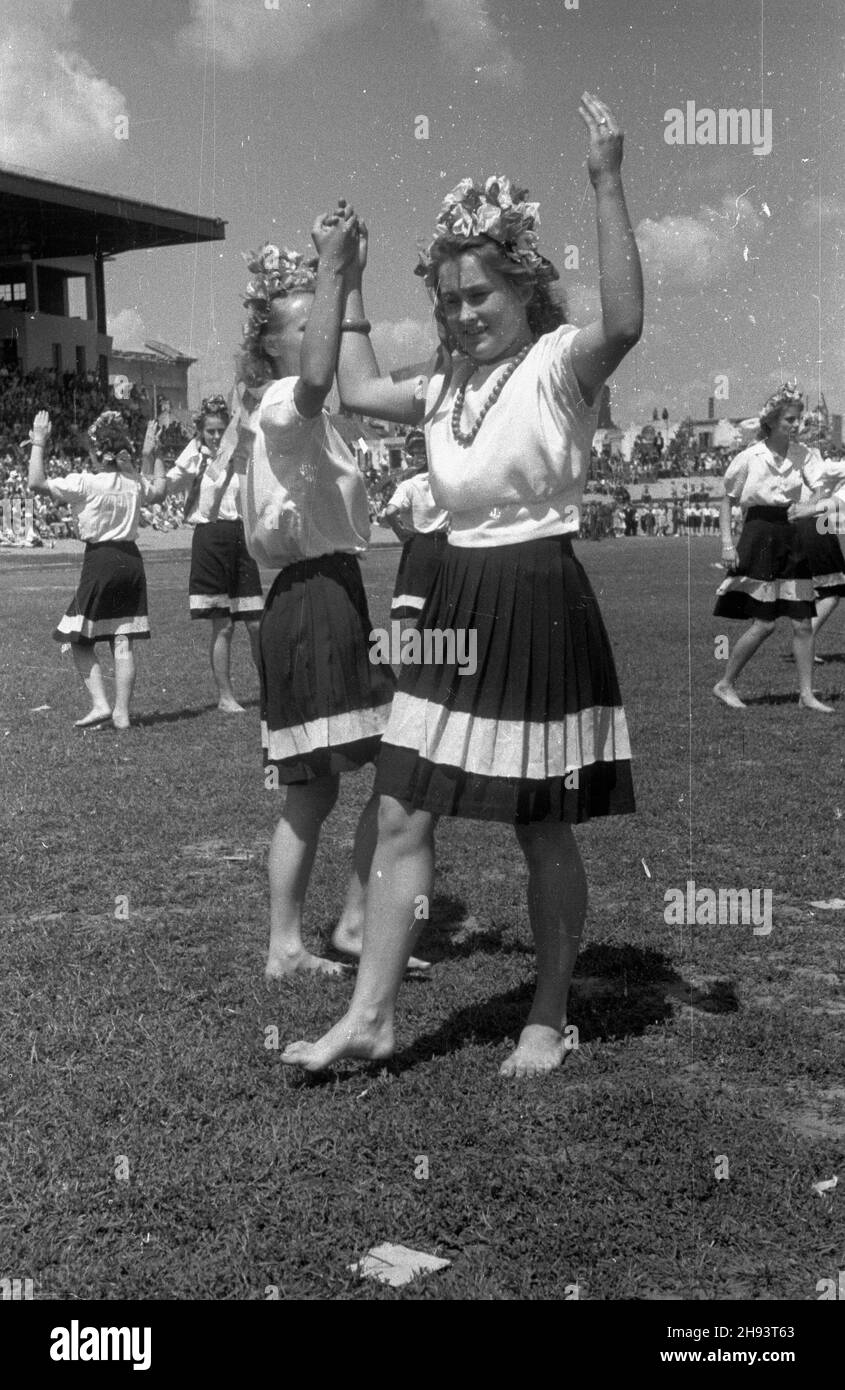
(606, 138)
(41, 428)
(335, 236)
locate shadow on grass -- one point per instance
(179, 715)
(617, 992)
(830, 696)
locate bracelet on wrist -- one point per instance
(355, 326)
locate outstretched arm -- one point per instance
(361, 385)
(599, 348)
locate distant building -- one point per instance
(160, 371)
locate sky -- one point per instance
(264, 112)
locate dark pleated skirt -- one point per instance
(418, 566)
(509, 707)
(824, 556)
(324, 703)
(111, 600)
(224, 580)
(772, 578)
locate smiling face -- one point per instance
(285, 330)
(485, 312)
(213, 430)
(788, 421)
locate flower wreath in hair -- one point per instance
(787, 394)
(498, 210)
(276, 273)
(211, 405)
(109, 436)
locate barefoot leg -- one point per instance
(253, 628)
(742, 652)
(222, 630)
(557, 904)
(402, 873)
(824, 608)
(91, 674)
(125, 670)
(292, 851)
(348, 935)
(802, 645)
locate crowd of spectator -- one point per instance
(75, 399)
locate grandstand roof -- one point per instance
(45, 219)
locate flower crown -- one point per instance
(787, 394)
(211, 405)
(497, 210)
(276, 273)
(110, 436)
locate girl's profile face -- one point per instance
(789, 420)
(212, 432)
(485, 312)
(289, 315)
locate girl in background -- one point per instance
(224, 584)
(769, 575)
(110, 604)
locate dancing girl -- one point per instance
(536, 737)
(769, 575)
(110, 604)
(224, 584)
(324, 704)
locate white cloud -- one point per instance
(242, 33)
(275, 33)
(471, 40)
(685, 253)
(127, 330)
(399, 343)
(56, 113)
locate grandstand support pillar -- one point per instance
(102, 321)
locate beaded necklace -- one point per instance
(464, 437)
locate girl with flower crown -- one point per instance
(769, 574)
(536, 737)
(110, 604)
(324, 704)
(224, 584)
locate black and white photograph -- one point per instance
(422, 713)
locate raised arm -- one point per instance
(39, 434)
(361, 385)
(599, 347)
(336, 242)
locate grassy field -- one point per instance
(154, 1147)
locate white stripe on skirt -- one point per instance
(768, 591)
(329, 731)
(828, 581)
(200, 603)
(508, 747)
(407, 601)
(102, 627)
(252, 604)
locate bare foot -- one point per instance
(728, 696)
(540, 1049)
(810, 702)
(229, 705)
(349, 940)
(120, 721)
(349, 1038)
(94, 716)
(301, 962)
